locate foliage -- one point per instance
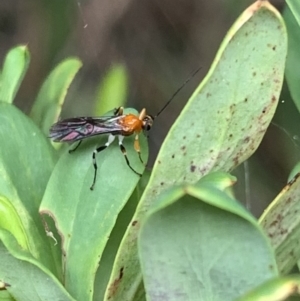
(176, 234)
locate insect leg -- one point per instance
(118, 111)
(123, 150)
(74, 149)
(99, 149)
(137, 147)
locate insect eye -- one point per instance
(147, 123)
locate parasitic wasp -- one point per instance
(118, 124)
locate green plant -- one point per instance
(176, 235)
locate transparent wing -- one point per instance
(78, 128)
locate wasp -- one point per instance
(117, 124)
(79, 128)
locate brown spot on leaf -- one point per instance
(193, 168)
(247, 139)
(113, 287)
(236, 160)
(274, 223)
(294, 179)
(283, 231)
(134, 223)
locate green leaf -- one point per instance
(28, 279)
(115, 237)
(85, 218)
(278, 289)
(26, 162)
(10, 221)
(295, 9)
(281, 222)
(6, 296)
(112, 92)
(294, 172)
(292, 72)
(221, 125)
(50, 99)
(199, 236)
(14, 68)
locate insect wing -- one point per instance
(74, 129)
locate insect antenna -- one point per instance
(177, 91)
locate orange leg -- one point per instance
(137, 147)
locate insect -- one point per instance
(118, 124)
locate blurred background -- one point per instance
(160, 42)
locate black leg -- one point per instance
(74, 149)
(140, 157)
(111, 138)
(123, 150)
(96, 151)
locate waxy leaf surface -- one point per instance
(281, 222)
(198, 243)
(14, 68)
(221, 125)
(50, 99)
(85, 218)
(28, 279)
(26, 162)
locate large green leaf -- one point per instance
(28, 279)
(50, 99)
(295, 9)
(198, 243)
(85, 218)
(115, 238)
(221, 125)
(14, 68)
(6, 296)
(281, 222)
(293, 60)
(26, 162)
